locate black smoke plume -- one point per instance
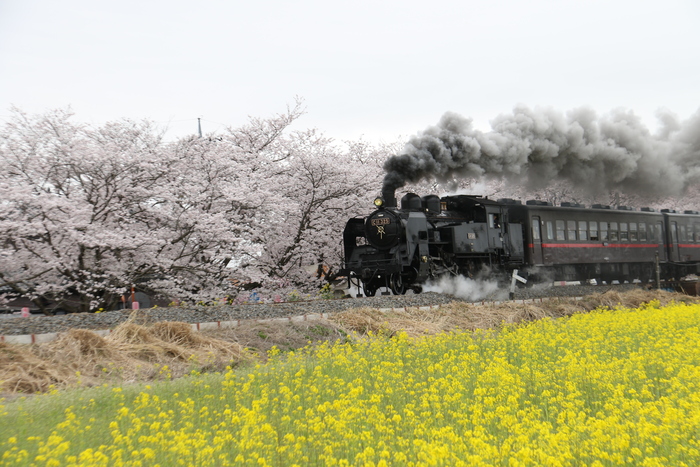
(535, 147)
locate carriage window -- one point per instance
(582, 230)
(571, 230)
(604, 231)
(681, 232)
(674, 232)
(560, 230)
(550, 231)
(659, 232)
(594, 230)
(642, 231)
(624, 235)
(633, 231)
(613, 231)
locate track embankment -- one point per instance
(144, 347)
(39, 324)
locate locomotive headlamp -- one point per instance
(379, 202)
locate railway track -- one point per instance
(39, 324)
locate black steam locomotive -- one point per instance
(427, 237)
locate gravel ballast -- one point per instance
(39, 324)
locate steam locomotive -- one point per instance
(431, 236)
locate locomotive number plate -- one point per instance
(471, 235)
(381, 221)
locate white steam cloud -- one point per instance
(467, 289)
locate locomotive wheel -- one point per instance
(397, 284)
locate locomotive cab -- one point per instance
(487, 238)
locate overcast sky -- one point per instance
(373, 69)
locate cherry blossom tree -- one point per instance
(88, 212)
(310, 187)
(85, 213)
(318, 187)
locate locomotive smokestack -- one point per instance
(393, 180)
(535, 147)
(389, 195)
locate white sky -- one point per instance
(373, 69)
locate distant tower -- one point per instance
(199, 126)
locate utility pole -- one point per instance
(199, 126)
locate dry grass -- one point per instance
(131, 353)
(137, 352)
(460, 315)
(258, 338)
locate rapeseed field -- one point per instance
(611, 387)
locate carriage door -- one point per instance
(536, 245)
(673, 247)
(659, 236)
